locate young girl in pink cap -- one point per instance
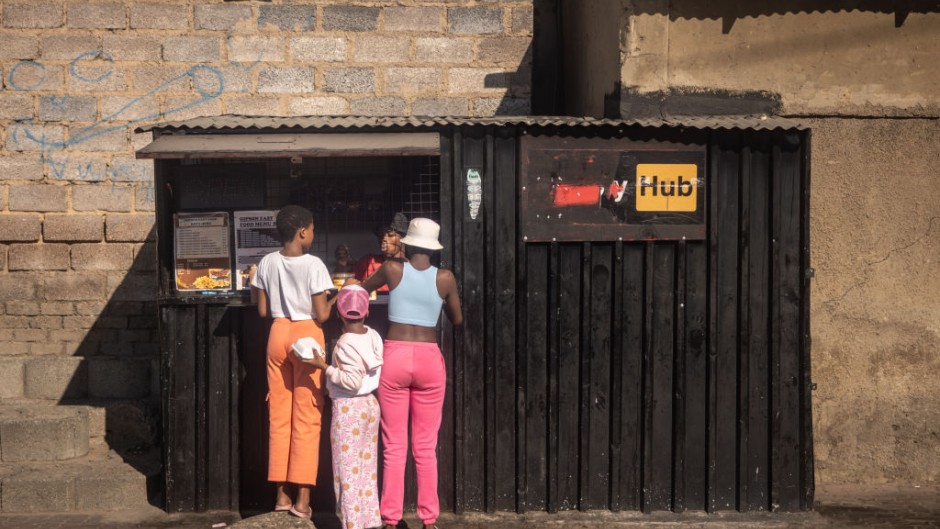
(354, 430)
(414, 377)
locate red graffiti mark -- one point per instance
(570, 195)
(613, 192)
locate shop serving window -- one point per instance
(349, 196)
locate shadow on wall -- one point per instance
(519, 86)
(729, 11)
(116, 372)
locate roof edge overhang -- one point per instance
(233, 136)
(280, 145)
(237, 124)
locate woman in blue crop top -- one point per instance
(413, 375)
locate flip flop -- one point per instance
(280, 508)
(299, 514)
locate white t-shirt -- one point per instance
(289, 282)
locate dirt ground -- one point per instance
(869, 506)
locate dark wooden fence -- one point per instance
(668, 375)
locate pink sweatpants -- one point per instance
(413, 379)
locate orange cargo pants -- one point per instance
(295, 404)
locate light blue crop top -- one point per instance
(415, 300)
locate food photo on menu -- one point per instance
(202, 252)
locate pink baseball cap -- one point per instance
(353, 302)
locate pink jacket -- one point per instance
(357, 364)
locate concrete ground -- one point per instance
(870, 506)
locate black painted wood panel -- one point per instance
(501, 304)
(447, 481)
(470, 358)
(723, 339)
(568, 377)
(693, 383)
(755, 278)
(629, 422)
(251, 337)
(786, 322)
(219, 442)
(180, 428)
(595, 381)
(535, 359)
(661, 303)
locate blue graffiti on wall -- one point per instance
(208, 82)
(93, 54)
(25, 66)
(97, 66)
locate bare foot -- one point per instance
(283, 499)
(302, 503)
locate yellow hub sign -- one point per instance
(666, 187)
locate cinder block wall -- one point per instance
(77, 313)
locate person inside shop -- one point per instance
(292, 287)
(413, 377)
(344, 262)
(389, 236)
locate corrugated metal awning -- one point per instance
(237, 123)
(277, 145)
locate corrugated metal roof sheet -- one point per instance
(236, 122)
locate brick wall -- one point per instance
(77, 316)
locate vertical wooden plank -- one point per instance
(568, 375)
(460, 426)
(680, 395)
(554, 363)
(695, 464)
(584, 380)
(255, 489)
(234, 390)
(662, 338)
(538, 325)
(786, 306)
(616, 318)
(595, 449)
(744, 211)
(166, 323)
(200, 404)
(446, 439)
(218, 431)
(756, 276)
(631, 376)
(488, 210)
(522, 377)
(806, 438)
(181, 408)
(647, 387)
(723, 434)
(502, 316)
(473, 279)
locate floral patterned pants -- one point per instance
(354, 438)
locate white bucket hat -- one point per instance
(423, 233)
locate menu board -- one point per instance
(203, 261)
(255, 237)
